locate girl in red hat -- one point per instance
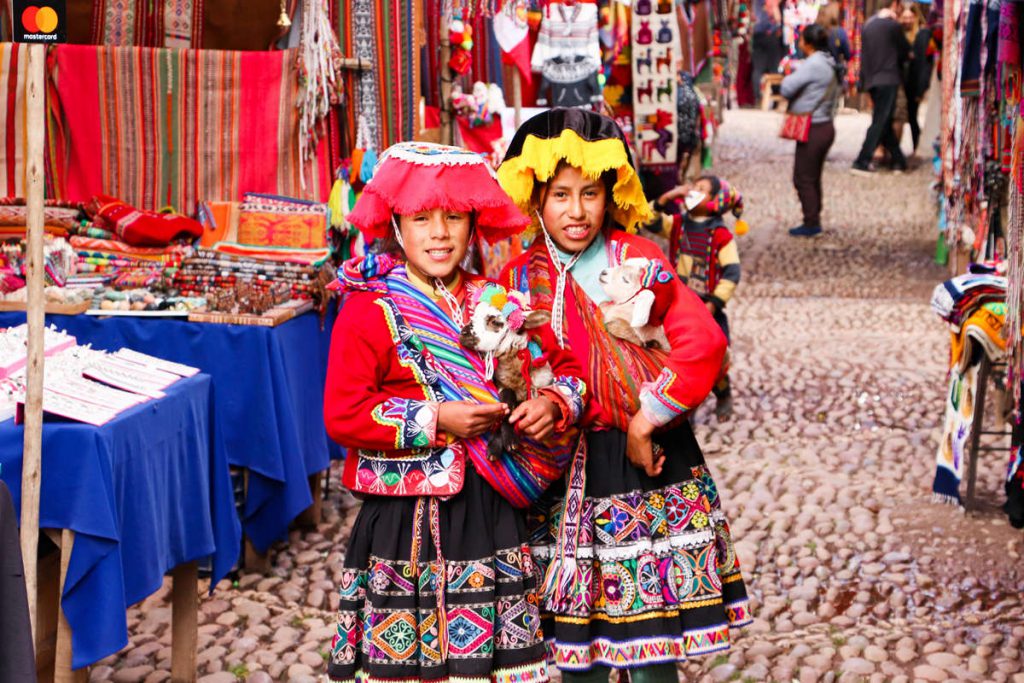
(437, 582)
(640, 570)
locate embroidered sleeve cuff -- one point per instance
(414, 421)
(569, 394)
(657, 404)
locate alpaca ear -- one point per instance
(535, 319)
(642, 305)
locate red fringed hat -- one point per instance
(418, 176)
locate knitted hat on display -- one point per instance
(591, 142)
(419, 176)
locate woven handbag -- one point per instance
(796, 127)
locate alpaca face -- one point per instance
(489, 332)
(624, 281)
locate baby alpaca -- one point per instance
(640, 296)
(497, 328)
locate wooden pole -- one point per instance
(32, 460)
(517, 95)
(446, 81)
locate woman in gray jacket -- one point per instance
(813, 87)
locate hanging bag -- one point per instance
(798, 126)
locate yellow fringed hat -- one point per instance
(591, 142)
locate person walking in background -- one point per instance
(884, 51)
(767, 49)
(918, 73)
(838, 41)
(813, 88)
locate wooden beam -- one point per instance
(184, 622)
(63, 673)
(447, 78)
(31, 470)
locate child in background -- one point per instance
(705, 253)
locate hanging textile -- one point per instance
(13, 119)
(216, 25)
(655, 50)
(136, 124)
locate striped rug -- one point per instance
(13, 151)
(161, 127)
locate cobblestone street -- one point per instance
(825, 469)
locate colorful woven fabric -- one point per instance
(127, 136)
(13, 115)
(455, 374)
(267, 221)
(385, 33)
(220, 25)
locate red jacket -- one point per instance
(373, 401)
(698, 345)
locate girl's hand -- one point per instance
(466, 420)
(536, 418)
(640, 448)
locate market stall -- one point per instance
(116, 491)
(981, 219)
(266, 385)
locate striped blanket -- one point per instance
(159, 127)
(13, 130)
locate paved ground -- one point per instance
(825, 470)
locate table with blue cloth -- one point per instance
(267, 401)
(143, 494)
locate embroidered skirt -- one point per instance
(656, 570)
(389, 624)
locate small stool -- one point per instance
(768, 96)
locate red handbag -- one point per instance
(796, 127)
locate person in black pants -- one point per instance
(17, 661)
(813, 88)
(884, 52)
(918, 76)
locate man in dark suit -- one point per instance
(884, 52)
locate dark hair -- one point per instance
(816, 36)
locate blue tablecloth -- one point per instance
(143, 494)
(268, 386)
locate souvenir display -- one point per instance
(655, 53)
(81, 383)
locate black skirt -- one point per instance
(389, 625)
(656, 562)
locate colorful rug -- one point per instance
(949, 470)
(138, 124)
(13, 115)
(656, 49)
(220, 25)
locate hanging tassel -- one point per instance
(284, 21)
(742, 227)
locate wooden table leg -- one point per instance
(184, 622)
(63, 673)
(312, 515)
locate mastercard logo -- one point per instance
(39, 19)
